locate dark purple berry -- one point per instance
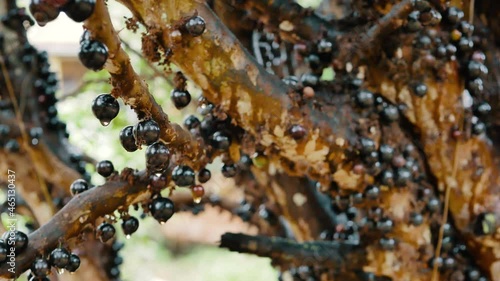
(180, 98)
(372, 192)
(365, 98)
(78, 186)
(59, 258)
(413, 23)
(416, 219)
(483, 109)
(387, 244)
(386, 152)
(204, 175)
(105, 231)
(477, 69)
(40, 267)
(309, 79)
(478, 128)
(454, 15)
(43, 12)
(93, 54)
(367, 146)
(157, 157)
(74, 263)
(297, 131)
(195, 26)
(183, 176)
(79, 10)
(105, 107)
(385, 225)
(476, 86)
(162, 209)
(105, 168)
(390, 113)
(420, 89)
(130, 225)
(221, 140)
(127, 139)
(401, 177)
(146, 131)
(229, 170)
(433, 205)
(191, 122)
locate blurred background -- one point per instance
(186, 247)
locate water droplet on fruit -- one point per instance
(60, 270)
(127, 236)
(105, 123)
(197, 200)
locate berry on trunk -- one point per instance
(195, 26)
(59, 258)
(146, 132)
(204, 175)
(105, 107)
(180, 98)
(105, 168)
(130, 225)
(78, 186)
(157, 157)
(43, 12)
(105, 231)
(162, 209)
(93, 54)
(183, 176)
(127, 139)
(40, 267)
(74, 263)
(229, 170)
(79, 10)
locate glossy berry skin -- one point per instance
(365, 99)
(420, 89)
(73, 264)
(93, 54)
(43, 12)
(40, 267)
(105, 231)
(59, 258)
(183, 176)
(229, 170)
(180, 98)
(390, 113)
(79, 10)
(147, 131)
(127, 139)
(130, 225)
(367, 146)
(105, 168)
(78, 186)
(221, 140)
(204, 175)
(20, 240)
(157, 157)
(162, 209)
(297, 132)
(191, 122)
(372, 192)
(195, 26)
(105, 108)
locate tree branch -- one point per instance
(133, 89)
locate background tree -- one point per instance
(377, 163)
